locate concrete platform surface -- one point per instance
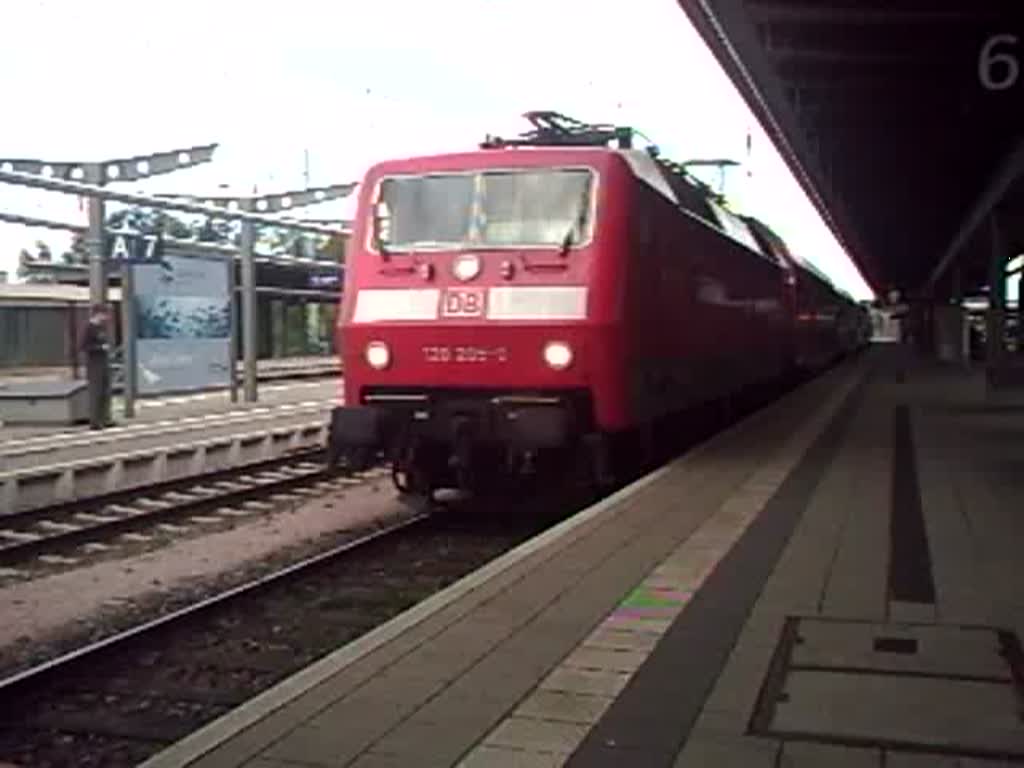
(266, 369)
(161, 412)
(832, 582)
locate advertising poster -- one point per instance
(183, 324)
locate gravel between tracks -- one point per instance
(125, 704)
(53, 613)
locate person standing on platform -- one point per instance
(96, 346)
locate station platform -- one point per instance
(279, 388)
(266, 370)
(834, 581)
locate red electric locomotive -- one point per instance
(543, 298)
(812, 304)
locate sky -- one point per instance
(354, 82)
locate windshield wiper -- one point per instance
(577, 225)
(567, 242)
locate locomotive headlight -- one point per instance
(558, 355)
(378, 356)
(466, 266)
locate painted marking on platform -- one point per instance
(648, 603)
(910, 578)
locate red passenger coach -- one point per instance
(536, 300)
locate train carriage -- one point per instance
(543, 299)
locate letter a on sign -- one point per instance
(120, 251)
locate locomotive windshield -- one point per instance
(495, 209)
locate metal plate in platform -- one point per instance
(922, 688)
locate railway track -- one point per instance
(120, 700)
(67, 534)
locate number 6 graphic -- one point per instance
(988, 59)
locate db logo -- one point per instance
(462, 302)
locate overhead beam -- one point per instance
(275, 203)
(802, 96)
(796, 75)
(843, 70)
(1006, 173)
(833, 55)
(32, 221)
(89, 190)
(124, 169)
(822, 13)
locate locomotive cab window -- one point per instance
(548, 208)
(536, 208)
(423, 211)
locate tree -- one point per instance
(78, 253)
(218, 231)
(333, 249)
(26, 271)
(150, 221)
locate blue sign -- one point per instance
(183, 324)
(325, 281)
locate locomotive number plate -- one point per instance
(462, 302)
(465, 354)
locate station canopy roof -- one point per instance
(902, 119)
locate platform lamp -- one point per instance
(275, 203)
(132, 168)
